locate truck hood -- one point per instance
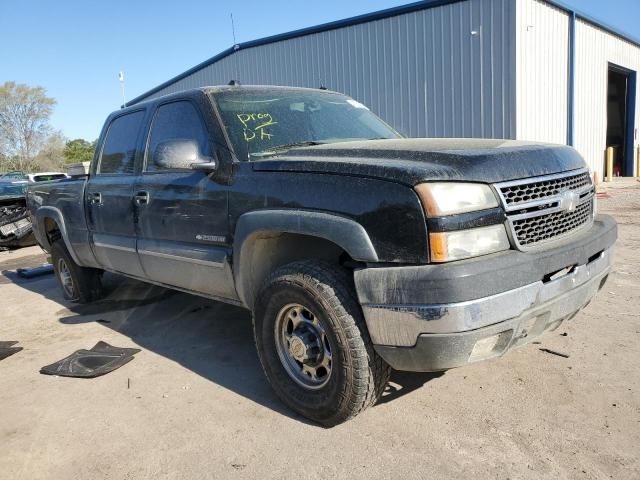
(414, 160)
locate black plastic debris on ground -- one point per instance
(33, 272)
(554, 352)
(7, 349)
(101, 359)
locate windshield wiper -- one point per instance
(286, 146)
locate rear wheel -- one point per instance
(78, 284)
(313, 343)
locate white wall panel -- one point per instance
(542, 37)
(595, 49)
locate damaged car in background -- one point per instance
(15, 224)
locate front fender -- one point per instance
(343, 232)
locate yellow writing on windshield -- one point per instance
(256, 125)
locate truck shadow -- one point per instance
(403, 383)
(212, 339)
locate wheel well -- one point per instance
(52, 230)
(264, 252)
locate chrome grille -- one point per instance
(545, 209)
(532, 230)
(526, 192)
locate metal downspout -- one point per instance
(571, 84)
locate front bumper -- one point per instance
(416, 335)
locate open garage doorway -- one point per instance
(621, 107)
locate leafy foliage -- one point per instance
(79, 150)
(50, 157)
(24, 123)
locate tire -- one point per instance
(78, 284)
(343, 375)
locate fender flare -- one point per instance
(55, 214)
(344, 232)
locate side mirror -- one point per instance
(181, 153)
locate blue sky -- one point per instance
(75, 48)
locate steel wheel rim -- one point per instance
(303, 346)
(65, 278)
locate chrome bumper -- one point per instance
(545, 304)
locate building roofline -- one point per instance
(594, 21)
(359, 19)
(367, 17)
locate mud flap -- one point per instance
(99, 360)
(7, 349)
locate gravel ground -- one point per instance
(194, 403)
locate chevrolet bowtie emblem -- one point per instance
(568, 201)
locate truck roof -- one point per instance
(213, 89)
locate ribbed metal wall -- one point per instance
(595, 49)
(542, 38)
(446, 71)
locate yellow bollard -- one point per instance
(638, 161)
(609, 172)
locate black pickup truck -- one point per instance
(355, 249)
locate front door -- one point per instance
(183, 237)
(109, 196)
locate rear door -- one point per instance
(109, 195)
(183, 236)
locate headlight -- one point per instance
(449, 198)
(459, 244)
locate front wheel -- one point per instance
(313, 343)
(78, 284)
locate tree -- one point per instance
(79, 150)
(51, 154)
(24, 122)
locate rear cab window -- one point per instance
(119, 149)
(47, 178)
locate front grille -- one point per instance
(543, 209)
(539, 190)
(532, 230)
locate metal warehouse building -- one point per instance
(521, 69)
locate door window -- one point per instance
(175, 121)
(119, 151)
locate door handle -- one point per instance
(95, 198)
(141, 198)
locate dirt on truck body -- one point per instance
(356, 250)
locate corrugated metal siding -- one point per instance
(595, 48)
(446, 71)
(542, 38)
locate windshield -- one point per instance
(12, 176)
(265, 122)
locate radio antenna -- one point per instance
(121, 79)
(235, 47)
(233, 30)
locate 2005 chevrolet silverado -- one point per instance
(355, 249)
